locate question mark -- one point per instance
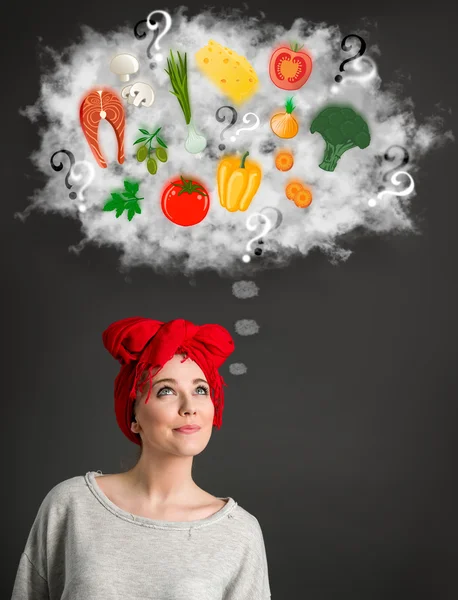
(222, 119)
(278, 220)
(153, 27)
(278, 217)
(60, 166)
(233, 138)
(139, 36)
(405, 160)
(252, 226)
(360, 52)
(395, 181)
(90, 168)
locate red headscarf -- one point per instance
(140, 344)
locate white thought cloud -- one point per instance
(340, 198)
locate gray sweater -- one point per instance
(83, 547)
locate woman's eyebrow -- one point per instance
(175, 381)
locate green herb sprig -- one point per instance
(150, 137)
(126, 201)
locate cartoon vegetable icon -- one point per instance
(238, 181)
(290, 68)
(143, 151)
(342, 128)
(284, 160)
(284, 124)
(298, 193)
(126, 201)
(185, 202)
(178, 74)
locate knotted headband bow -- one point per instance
(141, 344)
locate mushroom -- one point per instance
(143, 94)
(124, 65)
(138, 94)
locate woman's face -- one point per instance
(180, 395)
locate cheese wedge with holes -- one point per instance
(229, 71)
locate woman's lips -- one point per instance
(187, 429)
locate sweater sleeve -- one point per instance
(252, 579)
(29, 584)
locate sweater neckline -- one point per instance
(145, 521)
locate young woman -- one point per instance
(151, 533)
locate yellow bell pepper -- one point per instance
(238, 182)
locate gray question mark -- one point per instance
(405, 160)
(361, 51)
(138, 35)
(60, 166)
(222, 119)
(277, 223)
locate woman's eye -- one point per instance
(162, 389)
(201, 387)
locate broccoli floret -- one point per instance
(342, 128)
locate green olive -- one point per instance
(161, 154)
(142, 153)
(151, 165)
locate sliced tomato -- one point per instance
(290, 68)
(185, 202)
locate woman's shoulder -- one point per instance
(62, 491)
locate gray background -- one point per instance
(341, 437)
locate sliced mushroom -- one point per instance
(143, 94)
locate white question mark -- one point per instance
(233, 138)
(90, 172)
(168, 25)
(395, 181)
(358, 67)
(252, 226)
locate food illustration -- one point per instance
(290, 68)
(283, 124)
(124, 65)
(145, 151)
(342, 128)
(293, 187)
(229, 71)
(185, 202)
(284, 160)
(98, 105)
(238, 181)
(138, 94)
(125, 201)
(178, 74)
(296, 191)
(303, 198)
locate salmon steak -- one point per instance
(98, 105)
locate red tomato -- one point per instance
(290, 68)
(185, 202)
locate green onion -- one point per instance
(178, 74)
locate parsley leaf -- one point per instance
(131, 187)
(125, 201)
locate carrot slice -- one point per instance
(292, 188)
(303, 198)
(284, 161)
